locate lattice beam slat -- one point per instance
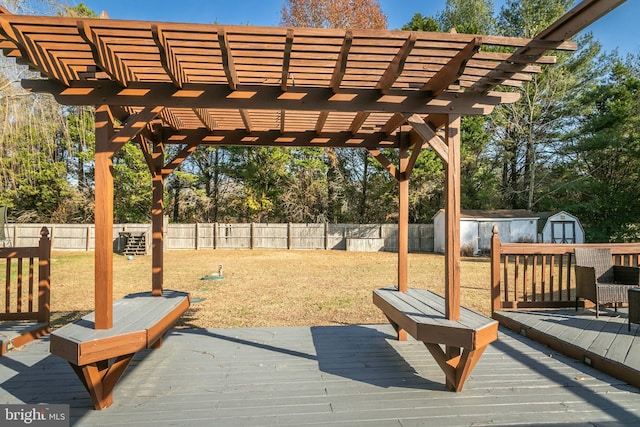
(206, 118)
(170, 61)
(228, 63)
(105, 57)
(341, 63)
(286, 60)
(451, 72)
(396, 66)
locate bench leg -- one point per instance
(456, 367)
(402, 334)
(158, 343)
(100, 378)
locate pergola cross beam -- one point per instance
(220, 96)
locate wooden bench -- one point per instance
(100, 356)
(25, 311)
(421, 313)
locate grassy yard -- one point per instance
(265, 288)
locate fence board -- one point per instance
(81, 237)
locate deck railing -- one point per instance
(540, 275)
(27, 295)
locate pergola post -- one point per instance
(452, 228)
(403, 227)
(403, 220)
(452, 218)
(157, 221)
(103, 215)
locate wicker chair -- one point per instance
(601, 282)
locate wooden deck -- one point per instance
(342, 375)
(604, 342)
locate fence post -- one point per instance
(289, 236)
(495, 271)
(216, 232)
(326, 235)
(44, 272)
(251, 236)
(197, 237)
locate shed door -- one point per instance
(563, 231)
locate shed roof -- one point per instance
(545, 216)
(495, 214)
(498, 214)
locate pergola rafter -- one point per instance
(104, 55)
(228, 63)
(170, 61)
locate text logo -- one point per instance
(34, 415)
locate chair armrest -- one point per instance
(626, 275)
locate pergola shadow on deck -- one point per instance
(160, 84)
(327, 375)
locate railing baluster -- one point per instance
(552, 276)
(7, 301)
(516, 276)
(560, 275)
(544, 277)
(569, 265)
(525, 277)
(19, 288)
(534, 278)
(506, 278)
(31, 262)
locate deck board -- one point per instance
(604, 342)
(326, 376)
(10, 330)
(604, 339)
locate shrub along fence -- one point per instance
(350, 237)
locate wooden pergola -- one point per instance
(156, 83)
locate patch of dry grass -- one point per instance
(265, 288)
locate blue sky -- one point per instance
(615, 30)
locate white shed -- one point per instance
(514, 225)
(559, 227)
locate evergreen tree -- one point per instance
(605, 153)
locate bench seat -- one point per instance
(421, 313)
(100, 356)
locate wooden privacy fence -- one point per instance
(351, 237)
(540, 275)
